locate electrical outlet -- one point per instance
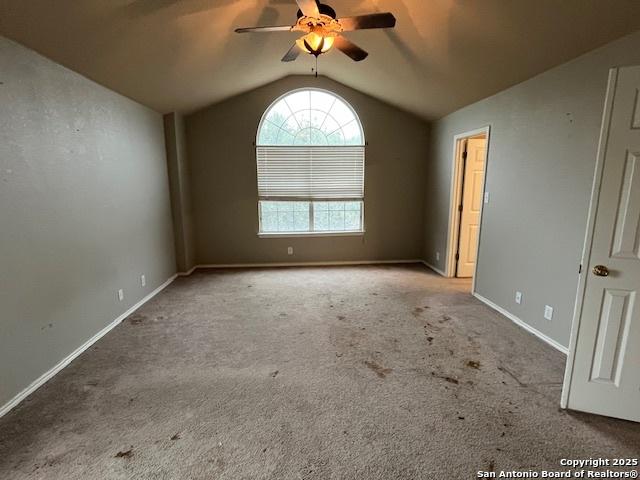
(437, 256)
(143, 280)
(518, 298)
(121, 294)
(290, 251)
(548, 312)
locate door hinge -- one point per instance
(464, 155)
(460, 208)
(457, 256)
(580, 269)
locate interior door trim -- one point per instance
(588, 242)
(455, 196)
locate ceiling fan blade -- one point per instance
(292, 54)
(282, 28)
(309, 8)
(350, 49)
(361, 22)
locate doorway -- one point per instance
(467, 199)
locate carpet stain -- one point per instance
(417, 311)
(341, 317)
(447, 378)
(137, 319)
(125, 453)
(275, 374)
(380, 371)
(473, 364)
(512, 375)
(176, 437)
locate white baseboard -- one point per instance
(437, 270)
(187, 273)
(522, 324)
(44, 378)
(306, 264)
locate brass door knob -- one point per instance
(601, 271)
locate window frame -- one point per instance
(311, 232)
(263, 119)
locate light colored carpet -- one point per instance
(385, 372)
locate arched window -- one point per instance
(310, 162)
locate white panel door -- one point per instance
(605, 377)
(471, 205)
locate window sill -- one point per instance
(311, 234)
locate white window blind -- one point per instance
(310, 172)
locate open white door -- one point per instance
(603, 372)
(472, 186)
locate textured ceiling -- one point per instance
(181, 55)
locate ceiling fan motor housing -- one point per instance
(323, 9)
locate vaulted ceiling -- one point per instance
(181, 55)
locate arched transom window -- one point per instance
(310, 117)
(310, 162)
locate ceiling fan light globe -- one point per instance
(315, 44)
(328, 43)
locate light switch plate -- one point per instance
(486, 197)
(120, 294)
(548, 312)
(290, 251)
(143, 280)
(518, 298)
(437, 256)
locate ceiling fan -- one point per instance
(322, 30)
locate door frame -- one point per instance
(590, 230)
(456, 196)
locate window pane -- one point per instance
(320, 220)
(300, 100)
(269, 218)
(351, 132)
(285, 220)
(301, 221)
(283, 217)
(269, 133)
(336, 138)
(337, 216)
(336, 220)
(351, 220)
(279, 113)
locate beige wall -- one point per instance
(220, 141)
(84, 211)
(544, 135)
(180, 187)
